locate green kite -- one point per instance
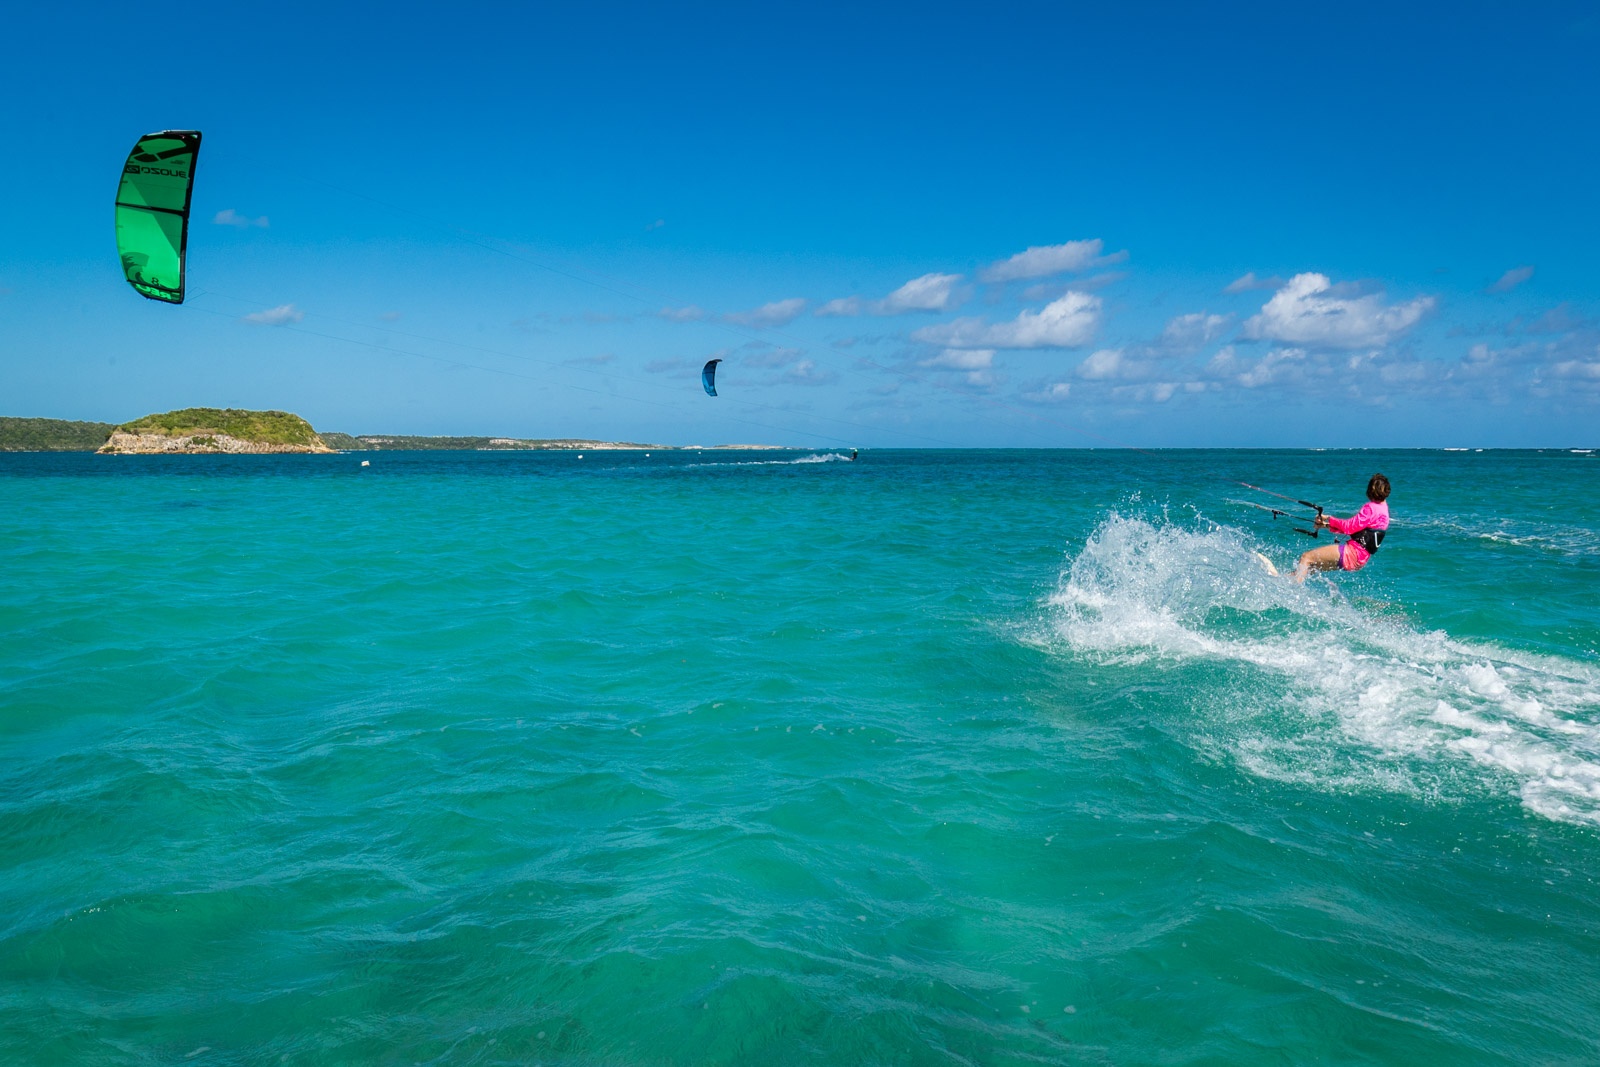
(153, 212)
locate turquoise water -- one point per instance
(936, 757)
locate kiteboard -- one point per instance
(1266, 564)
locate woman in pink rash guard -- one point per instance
(1365, 529)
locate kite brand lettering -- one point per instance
(135, 169)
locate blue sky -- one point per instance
(1030, 225)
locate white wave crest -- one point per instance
(1566, 539)
(1327, 692)
(817, 457)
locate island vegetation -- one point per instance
(261, 427)
(52, 435)
(236, 430)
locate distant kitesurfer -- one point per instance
(853, 454)
(1365, 529)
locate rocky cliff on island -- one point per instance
(229, 430)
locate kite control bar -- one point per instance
(1315, 530)
(1316, 527)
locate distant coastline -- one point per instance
(211, 431)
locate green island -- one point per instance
(263, 427)
(216, 430)
(52, 435)
(236, 430)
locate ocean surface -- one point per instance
(978, 757)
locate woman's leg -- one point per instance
(1325, 558)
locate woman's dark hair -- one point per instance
(1378, 489)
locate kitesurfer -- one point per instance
(853, 454)
(1365, 530)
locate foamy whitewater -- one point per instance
(1325, 690)
(729, 758)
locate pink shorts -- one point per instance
(1352, 557)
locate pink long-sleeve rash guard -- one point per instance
(1372, 516)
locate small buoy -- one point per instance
(366, 463)
(580, 455)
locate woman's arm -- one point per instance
(1361, 520)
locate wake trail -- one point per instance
(821, 457)
(1319, 690)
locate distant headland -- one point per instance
(196, 431)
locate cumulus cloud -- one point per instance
(1049, 393)
(1511, 279)
(229, 217)
(1067, 322)
(1106, 363)
(777, 313)
(1249, 281)
(1574, 368)
(1194, 330)
(1309, 311)
(1275, 367)
(806, 372)
(691, 313)
(1157, 392)
(281, 315)
(931, 292)
(1041, 261)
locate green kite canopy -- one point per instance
(153, 212)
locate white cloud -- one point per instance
(962, 359)
(931, 292)
(1273, 368)
(1573, 368)
(1064, 323)
(229, 217)
(691, 313)
(1249, 281)
(1157, 392)
(1308, 311)
(777, 313)
(281, 315)
(1098, 366)
(1511, 279)
(1195, 330)
(1041, 261)
(1051, 393)
(807, 372)
(656, 225)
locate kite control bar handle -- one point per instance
(1316, 530)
